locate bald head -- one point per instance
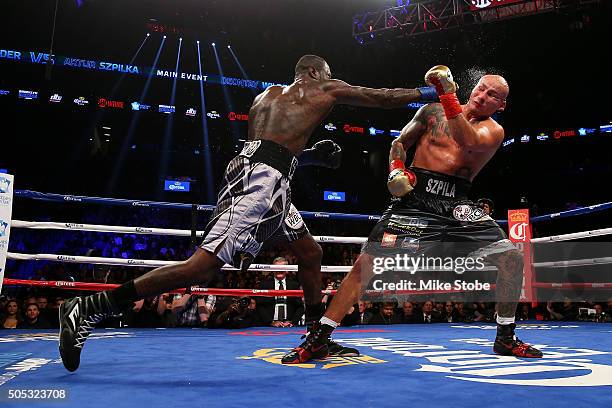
(488, 96)
(497, 81)
(312, 65)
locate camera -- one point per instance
(244, 302)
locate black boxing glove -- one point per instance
(325, 153)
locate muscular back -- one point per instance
(437, 150)
(289, 114)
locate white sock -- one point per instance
(504, 320)
(329, 322)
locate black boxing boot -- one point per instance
(314, 347)
(337, 349)
(77, 317)
(507, 344)
(312, 315)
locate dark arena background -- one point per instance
(120, 117)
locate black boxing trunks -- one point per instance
(436, 211)
(253, 203)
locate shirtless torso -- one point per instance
(462, 146)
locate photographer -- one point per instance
(193, 310)
(234, 313)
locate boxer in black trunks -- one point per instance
(453, 143)
(254, 199)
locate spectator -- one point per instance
(46, 313)
(58, 302)
(408, 313)
(364, 314)
(463, 314)
(193, 310)
(487, 205)
(483, 312)
(439, 307)
(11, 315)
(386, 315)
(280, 311)
(234, 313)
(600, 315)
(524, 312)
(27, 301)
(144, 314)
(450, 315)
(33, 319)
(428, 315)
(566, 312)
(42, 302)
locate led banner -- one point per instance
(33, 57)
(175, 185)
(6, 209)
(334, 196)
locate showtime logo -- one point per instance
(353, 129)
(481, 4)
(105, 103)
(238, 116)
(558, 134)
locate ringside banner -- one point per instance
(6, 209)
(519, 232)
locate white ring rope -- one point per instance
(96, 260)
(187, 233)
(253, 267)
(574, 235)
(149, 231)
(574, 262)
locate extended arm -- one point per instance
(345, 94)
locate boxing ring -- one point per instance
(417, 364)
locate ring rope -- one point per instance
(96, 260)
(574, 235)
(69, 285)
(149, 231)
(185, 233)
(35, 195)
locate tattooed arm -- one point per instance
(409, 135)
